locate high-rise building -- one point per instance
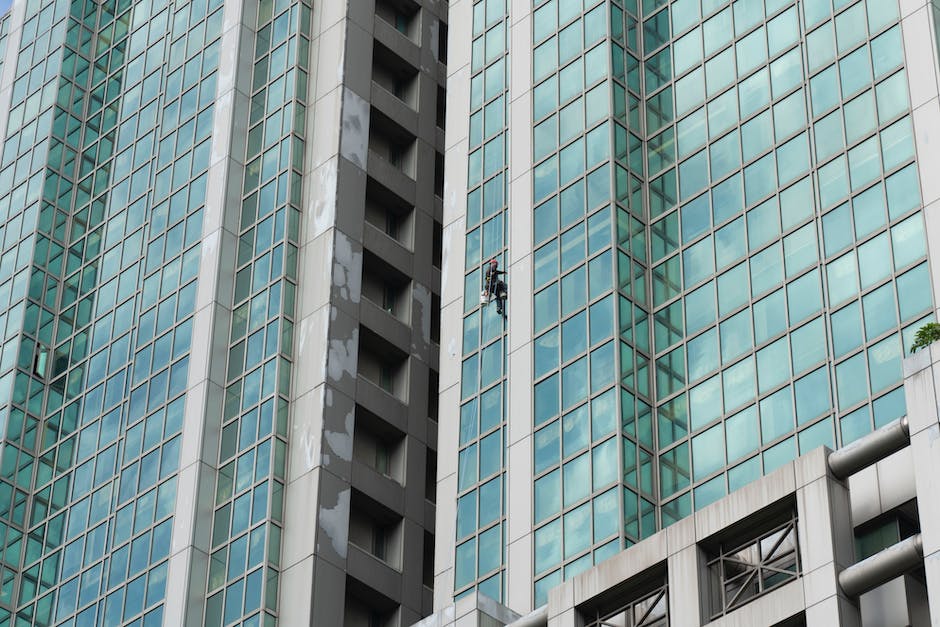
(219, 278)
(712, 215)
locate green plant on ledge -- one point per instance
(926, 335)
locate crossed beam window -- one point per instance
(651, 610)
(743, 572)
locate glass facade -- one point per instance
(248, 512)
(120, 132)
(115, 124)
(104, 185)
(157, 159)
(481, 459)
(788, 281)
(729, 255)
(576, 449)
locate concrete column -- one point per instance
(918, 29)
(519, 566)
(920, 384)
(826, 545)
(189, 558)
(687, 587)
(901, 601)
(686, 575)
(562, 603)
(317, 494)
(568, 618)
(454, 242)
(920, 387)
(835, 610)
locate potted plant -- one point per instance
(926, 335)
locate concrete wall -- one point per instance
(327, 580)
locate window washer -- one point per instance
(493, 286)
